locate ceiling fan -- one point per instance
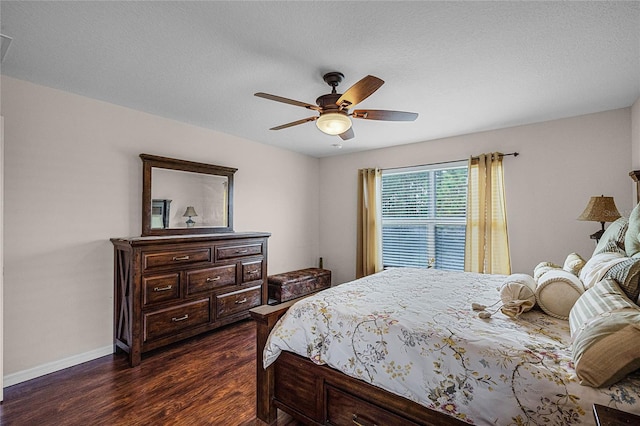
(334, 107)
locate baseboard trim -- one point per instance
(51, 367)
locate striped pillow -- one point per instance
(605, 327)
(599, 301)
(627, 275)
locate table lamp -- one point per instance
(190, 212)
(600, 209)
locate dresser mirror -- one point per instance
(184, 197)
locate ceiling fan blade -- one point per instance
(359, 91)
(381, 114)
(294, 123)
(348, 134)
(286, 101)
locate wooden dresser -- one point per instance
(168, 288)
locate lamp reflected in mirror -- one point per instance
(190, 212)
(600, 209)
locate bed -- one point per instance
(404, 346)
(453, 366)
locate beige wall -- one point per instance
(73, 179)
(562, 164)
(635, 134)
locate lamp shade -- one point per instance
(333, 123)
(190, 212)
(600, 209)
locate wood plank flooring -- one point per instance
(206, 380)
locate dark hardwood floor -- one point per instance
(206, 380)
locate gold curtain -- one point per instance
(369, 251)
(486, 243)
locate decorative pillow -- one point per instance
(632, 236)
(574, 264)
(557, 291)
(614, 237)
(543, 267)
(597, 266)
(517, 294)
(605, 322)
(600, 300)
(627, 276)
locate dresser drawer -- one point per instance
(172, 320)
(161, 288)
(230, 252)
(251, 271)
(238, 301)
(211, 278)
(346, 409)
(157, 259)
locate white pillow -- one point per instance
(557, 292)
(595, 268)
(574, 264)
(613, 239)
(632, 236)
(543, 267)
(517, 294)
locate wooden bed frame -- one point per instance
(318, 395)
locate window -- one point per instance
(424, 216)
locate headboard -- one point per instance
(635, 175)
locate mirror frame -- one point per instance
(151, 161)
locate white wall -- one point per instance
(73, 179)
(635, 134)
(562, 164)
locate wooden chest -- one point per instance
(290, 285)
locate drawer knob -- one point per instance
(241, 251)
(209, 279)
(178, 258)
(169, 287)
(182, 318)
(239, 302)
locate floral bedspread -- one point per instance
(413, 333)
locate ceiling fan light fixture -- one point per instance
(333, 123)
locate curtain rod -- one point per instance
(514, 154)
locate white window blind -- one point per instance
(424, 216)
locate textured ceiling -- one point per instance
(463, 66)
